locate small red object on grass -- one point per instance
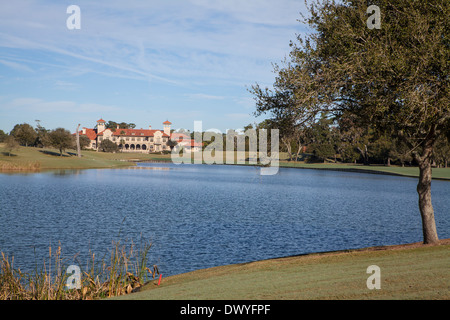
(159, 281)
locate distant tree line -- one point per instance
(323, 139)
(342, 140)
(25, 135)
(335, 140)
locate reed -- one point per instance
(124, 272)
(20, 166)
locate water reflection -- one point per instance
(201, 216)
(66, 172)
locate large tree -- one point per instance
(24, 134)
(393, 78)
(61, 139)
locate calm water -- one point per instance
(200, 216)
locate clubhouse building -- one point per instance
(140, 140)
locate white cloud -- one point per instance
(206, 51)
(16, 66)
(204, 96)
(162, 40)
(43, 106)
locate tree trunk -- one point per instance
(364, 154)
(430, 235)
(287, 143)
(78, 142)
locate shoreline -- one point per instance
(134, 162)
(335, 275)
(32, 160)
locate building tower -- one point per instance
(166, 125)
(101, 125)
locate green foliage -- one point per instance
(322, 144)
(3, 136)
(10, 144)
(42, 139)
(393, 79)
(24, 134)
(442, 152)
(108, 146)
(61, 139)
(84, 141)
(122, 125)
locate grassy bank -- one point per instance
(413, 271)
(35, 159)
(438, 173)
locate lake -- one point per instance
(200, 216)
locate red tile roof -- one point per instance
(101, 120)
(167, 122)
(90, 133)
(135, 133)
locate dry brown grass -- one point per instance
(20, 166)
(124, 272)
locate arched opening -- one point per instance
(132, 147)
(127, 146)
(144, 147)
(138, 147)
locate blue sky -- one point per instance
(140, 61)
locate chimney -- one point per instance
(84, 130)
(149, 127)
(117, 127)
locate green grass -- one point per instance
(438, 173)
(408, 273)
(47, 158)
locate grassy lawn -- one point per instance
(48, 158)
(438, 173)
(407, 272)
